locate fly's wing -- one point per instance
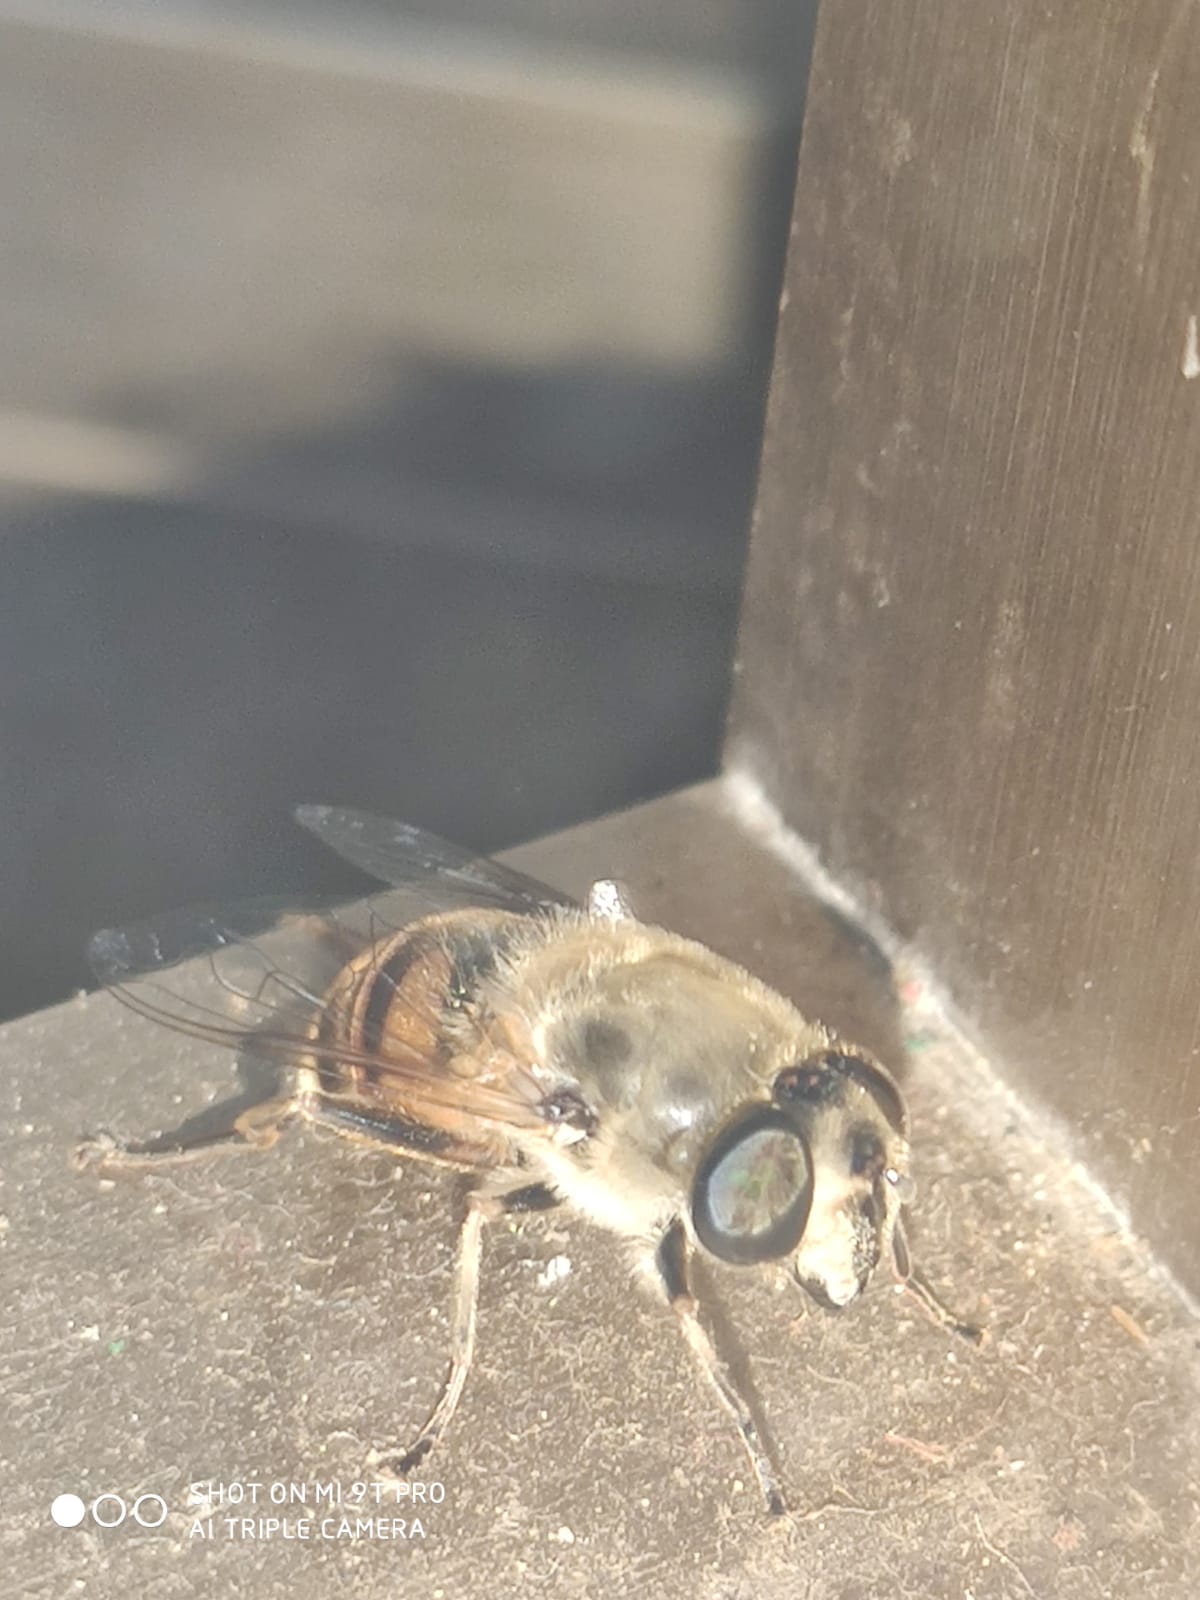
(408, 857)
(255, 978)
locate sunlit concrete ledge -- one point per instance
(264, 1318)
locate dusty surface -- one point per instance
(266, 1318)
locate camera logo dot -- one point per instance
(109, 1510)
(68, 1510)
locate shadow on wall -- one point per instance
(175, 676)
(376, 424)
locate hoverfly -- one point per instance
(560, 1054)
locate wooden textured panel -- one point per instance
(971, 647)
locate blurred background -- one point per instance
(381, 386)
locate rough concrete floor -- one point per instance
(265, 1318)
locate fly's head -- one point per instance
(815, 1175)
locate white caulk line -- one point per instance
(1190, 366)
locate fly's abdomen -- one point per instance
(411, 997)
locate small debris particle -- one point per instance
(1068, 1536)
(1124, 1321)
(555, 1270)
(927, 1452)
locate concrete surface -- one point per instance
(265, 1318)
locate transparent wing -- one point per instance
(408, 857)
(255, 977)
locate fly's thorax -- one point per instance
(714, 1100)
(649, 1023)
(662, 1038)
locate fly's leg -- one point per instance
(671, 1259)
(462, 1350)
(926, 1297)
(389, 1131)
(924, 1294)
(234, 1125)
(481, 1208)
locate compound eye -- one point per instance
(753, 1190)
